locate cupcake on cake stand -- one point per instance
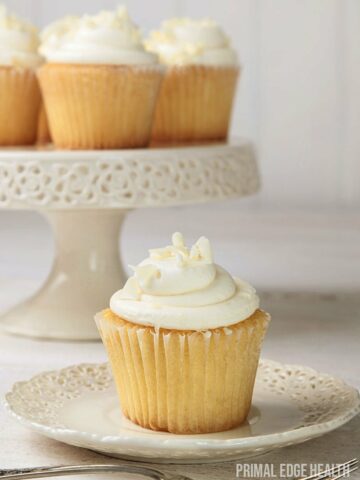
(86, 195)
(109, 96)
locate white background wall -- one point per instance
(299, 101)
(299, 96)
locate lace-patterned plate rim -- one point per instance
(322, 402)
(162, 176)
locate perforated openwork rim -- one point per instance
(326, 403)
(126, 178)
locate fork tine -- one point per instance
(345, 472)
(338, 470)
(335, 469)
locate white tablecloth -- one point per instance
(320, 330)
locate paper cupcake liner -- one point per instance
(184, 381)
(195, 104)
(19, 106)
(100, 106)
(43, 135)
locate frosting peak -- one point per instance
(199, 253)
(183, 289)
(18, 41)
(106, 38)
(172, 270)
(182, 41)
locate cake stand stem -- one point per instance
(85, 273)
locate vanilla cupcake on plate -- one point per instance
(197, 94)
(183, 337)
(19, 89)
(99, 84)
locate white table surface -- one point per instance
(314, 253)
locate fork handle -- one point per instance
(62, 470)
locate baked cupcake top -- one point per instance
(183, 41)
(106, 38)
(19, 41)
(181, 289)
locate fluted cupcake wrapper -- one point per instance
(100, 106)
(184, 381)
(43, 135)
(19, 105)
(195, 103)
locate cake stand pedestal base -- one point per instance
(85, 195)
(85, 273)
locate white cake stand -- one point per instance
(86, 195)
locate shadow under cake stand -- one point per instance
(86, 195)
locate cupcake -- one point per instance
(183, 338)
(19, 89)
(99, 84)
(197, 93)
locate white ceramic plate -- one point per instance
(78, 406)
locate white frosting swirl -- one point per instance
(106, 38)
(19, 41)
(183, 41)
(181, 289)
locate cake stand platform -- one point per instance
(86, 195)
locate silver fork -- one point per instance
(62, 470)
(338, 471)
(333, 473)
